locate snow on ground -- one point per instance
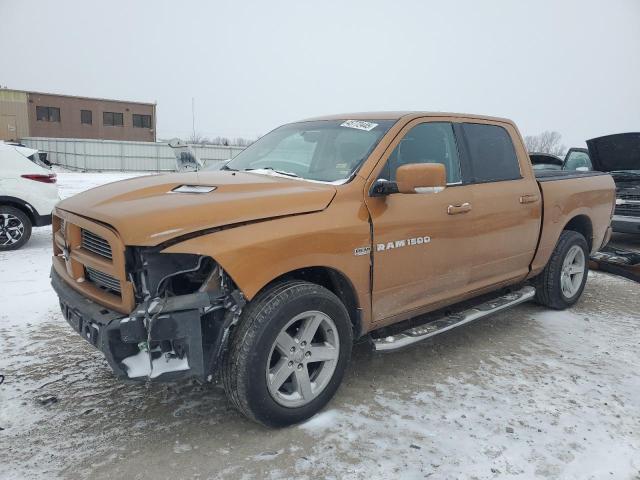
(527, 393)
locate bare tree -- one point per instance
(197, 139)
(545, 142)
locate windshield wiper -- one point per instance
(281, 172)
(227, 167)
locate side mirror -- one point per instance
(421, 178)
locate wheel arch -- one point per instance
(582, 224)
(21, 205)
(333, 280)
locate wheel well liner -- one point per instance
(21, 205)
(581, 224)
(334, 281)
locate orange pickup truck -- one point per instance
(396, 226)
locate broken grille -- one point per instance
(96, 244)
(102, 280)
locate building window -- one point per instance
(113, 119)
(86, 117)
(48, 114)
(141, 121)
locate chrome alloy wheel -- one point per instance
(572, 273)
(302, 359)
(11, 229)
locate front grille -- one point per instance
(628, 210)
(629, 196)
(102, 280)
(96, 244)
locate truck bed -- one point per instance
(588, 196)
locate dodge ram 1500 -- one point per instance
(392, 227)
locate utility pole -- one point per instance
(193, 116)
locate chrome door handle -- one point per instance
(457, 209)
(529, 198)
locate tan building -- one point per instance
(33, 114)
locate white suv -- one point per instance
(28, 193)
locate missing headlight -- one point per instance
(172, 274)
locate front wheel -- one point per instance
(288, 354)
(562, 281)
(15, 228)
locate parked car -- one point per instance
(619, 154)
(577, 159)
(545, 161)
(392, 227)
(28, 193)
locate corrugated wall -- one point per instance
(79, 154)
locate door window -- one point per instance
(431, 142)
(492, 155)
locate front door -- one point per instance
(421, 250)
(8, 128)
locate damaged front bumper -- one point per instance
(183, 339)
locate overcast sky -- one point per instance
(571, 65)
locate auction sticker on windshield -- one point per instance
(359, 124)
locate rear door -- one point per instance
(506, 205)
(421, 245)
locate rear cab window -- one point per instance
(492, 156)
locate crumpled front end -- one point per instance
(183, 305)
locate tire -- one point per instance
(550, 284)
(255, 361)
(15, 228)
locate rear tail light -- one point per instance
(47, 178)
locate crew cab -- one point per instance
(391, 227)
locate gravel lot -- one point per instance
(527, 393)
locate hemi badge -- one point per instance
(362, 251)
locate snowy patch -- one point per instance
(139, 365)
(321, 421)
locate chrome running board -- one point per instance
(421, 332)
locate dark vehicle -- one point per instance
(577, 159)
(545, 161)
(619, 154)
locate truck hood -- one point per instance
(146, 211)
(615, 152)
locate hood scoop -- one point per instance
(194, 189)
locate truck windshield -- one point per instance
(325, 150)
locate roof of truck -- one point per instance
(396, 115)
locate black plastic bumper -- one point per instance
(41, 220)
(118, 337)
(625, 224)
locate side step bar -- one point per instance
(421, 332)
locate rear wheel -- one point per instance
(562, 281)
(288, 354)
(15, 228)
